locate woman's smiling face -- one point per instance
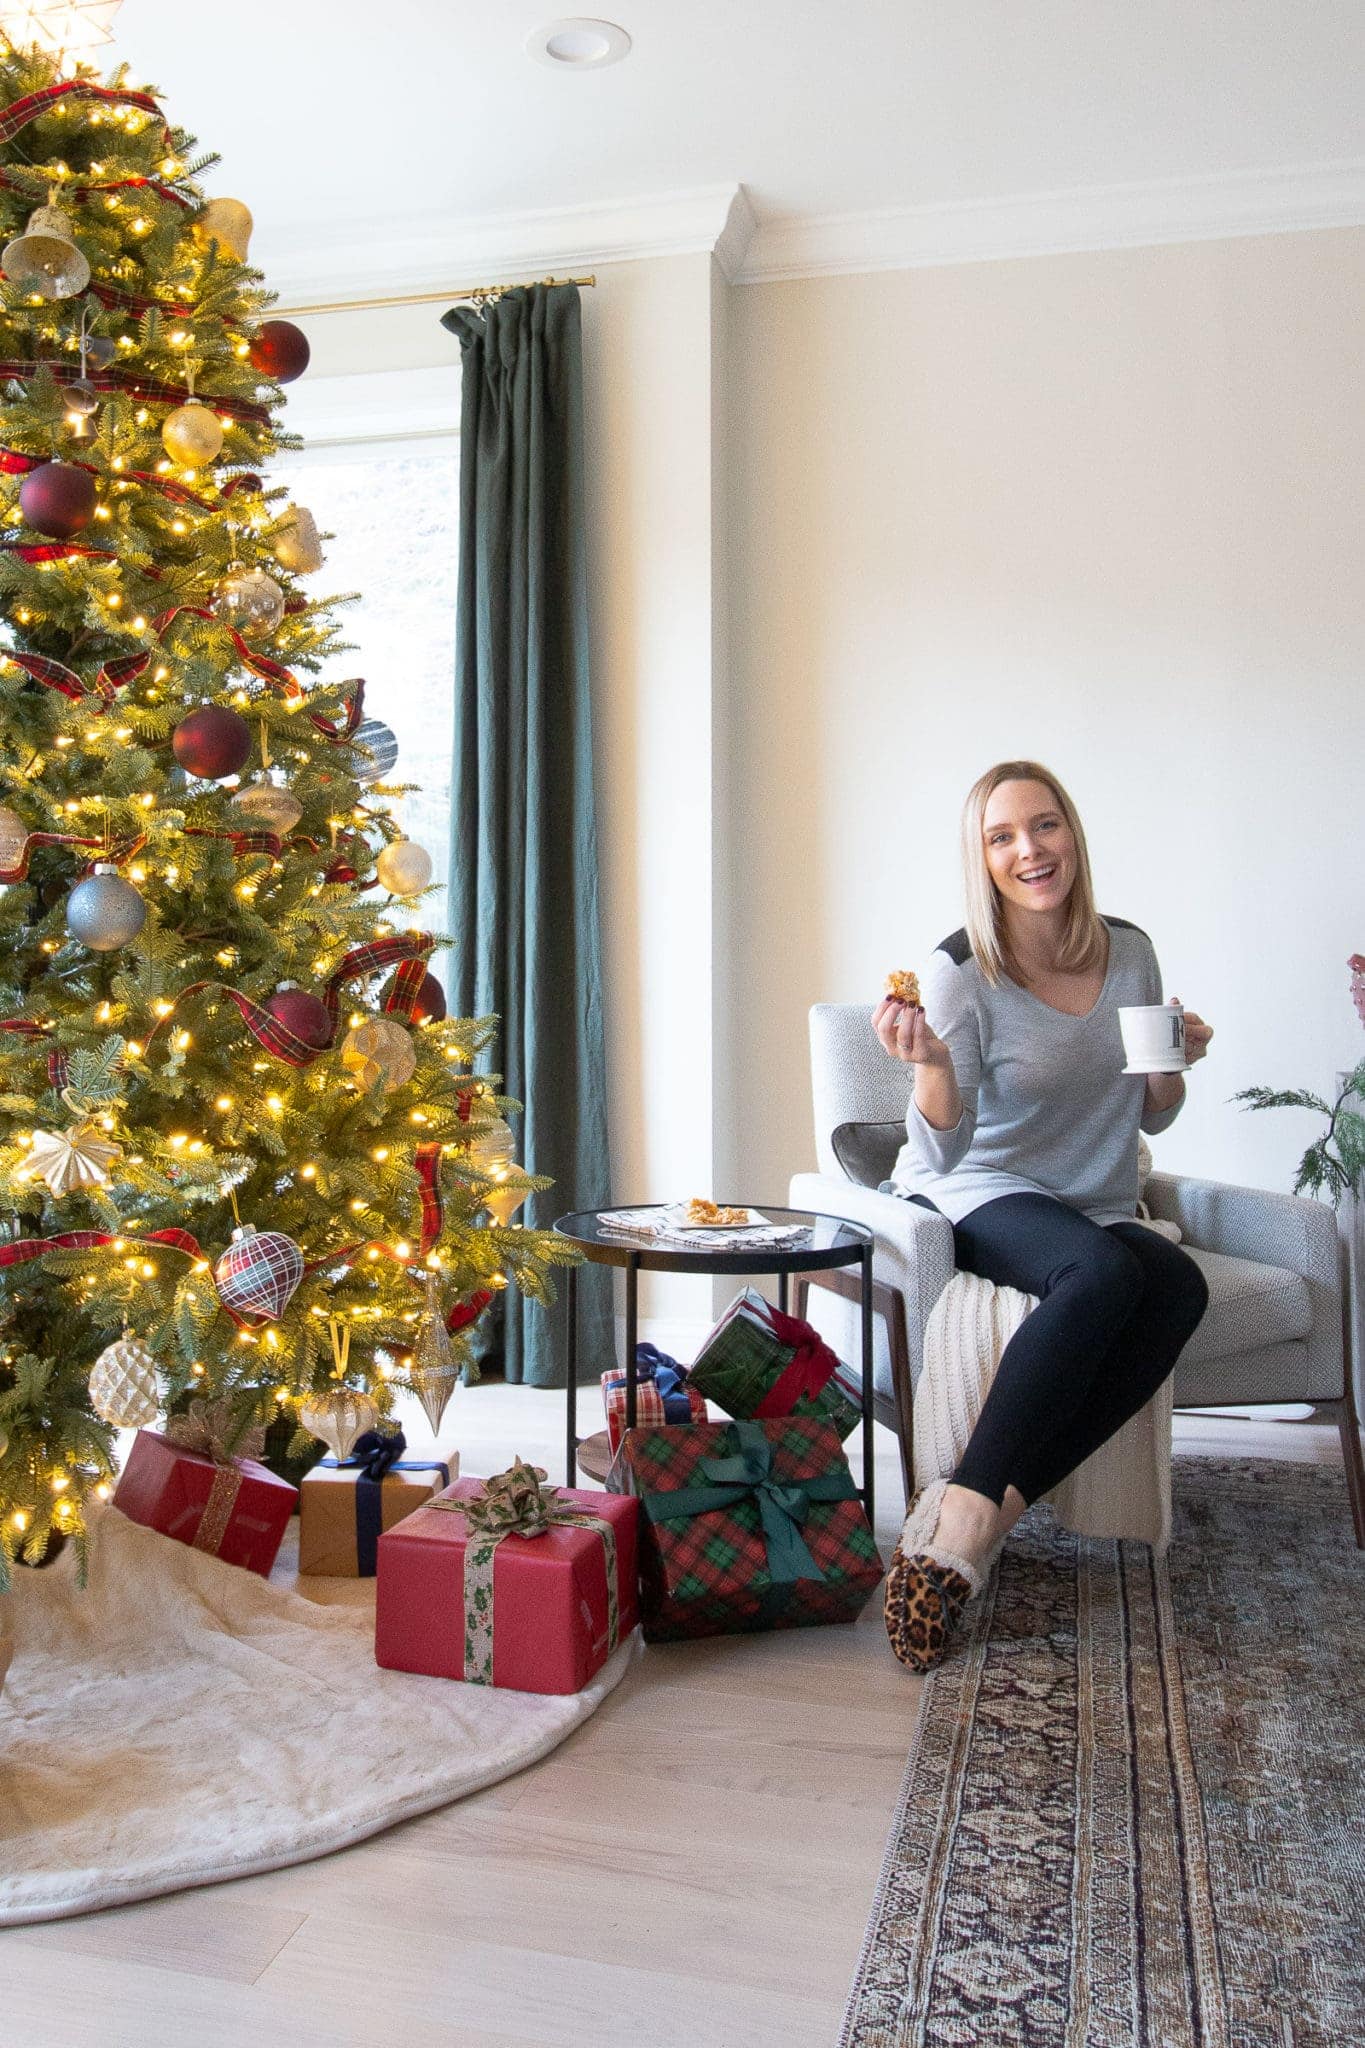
(1030, 848)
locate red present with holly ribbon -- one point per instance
(747, 1525)
(508, 1582)
(198, 1482)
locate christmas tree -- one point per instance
(243, 1151)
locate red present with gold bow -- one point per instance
(197, 1482)
(508, 1582)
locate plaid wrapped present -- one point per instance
(662, 1395)
(759, 1362)
(747, 1525)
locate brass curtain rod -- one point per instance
(479, 295)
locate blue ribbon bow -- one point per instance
(667, 1375)
(377, 1453)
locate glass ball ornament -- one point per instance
(377, 745)
(404, 868)
(298, 546)
(104, 912)
(13, 840)
(379, 1053)
(212, 742)
(265, 804)
(303, 1013)
(45, 260)
(58, 499)
(193, 434)
(250, 600)
(258, 1273)
(338, 1417)
(280, 350)
(123, 1388)
(227, 222)
(492, 1152)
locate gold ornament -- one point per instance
(297, 545)
(491, 1151)
(379, 1051)
(45, 260)
(433, 1374)
(13, 839)
(228, 223)
(338, 1416)
(404, 868)
(123, 1387)
(70, 1159)
(193, 434)
(269, 806)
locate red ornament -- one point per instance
(430, 1006)
(305, 1015)
(58, 499)
(212, 742)
(281, 351)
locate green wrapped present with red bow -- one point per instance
(759, 1361)
(747, 1525)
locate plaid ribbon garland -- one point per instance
(405, 994)
(14, 462)
(273, 672)
(19, 113)
(410, 953)
(59, 551)
(427, 1161)
(26, 1249)
(242, 843)
(55, 675)
(109, 377)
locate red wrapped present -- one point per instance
(508, 1582)
(747, 1525)
(662, 1395)
(183, 1482)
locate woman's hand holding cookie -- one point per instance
(905, 1033)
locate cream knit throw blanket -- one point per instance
(1124, 1490)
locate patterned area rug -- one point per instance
(1133, 1814)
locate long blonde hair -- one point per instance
(1083, 939)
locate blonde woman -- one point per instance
(1023, 1131)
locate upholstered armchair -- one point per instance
(1275, 1330)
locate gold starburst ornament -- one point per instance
(78, 1158)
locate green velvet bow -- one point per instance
(782, 1505)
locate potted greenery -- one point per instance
(1334, 1163)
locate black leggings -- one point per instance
(1117, 1305)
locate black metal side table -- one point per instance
(831, 1241)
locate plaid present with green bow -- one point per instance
(747, 1525)
(762, 1362)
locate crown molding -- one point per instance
(369, 261)
(1059, 223)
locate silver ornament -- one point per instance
(379, 1051)
(269, 806)
(104, 912)
(13, 840)
(82, 398)
(404, 868)
(250, 600)
(45, 260)
(433, 1374)
(378, 746)
(338, 1416)
(123, 1387)
(64, 1160)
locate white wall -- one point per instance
(1103, 510)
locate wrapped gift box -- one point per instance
(537, 1613)
(662, 1395)
(235, 1510)
(759, 1362)
(747, 1525)
(343, 1511)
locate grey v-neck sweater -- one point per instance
(1046, 1106)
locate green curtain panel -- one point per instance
(523, 855)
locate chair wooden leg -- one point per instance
(888, 1303)
(1348, 1426)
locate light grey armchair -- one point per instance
(1275, 1329)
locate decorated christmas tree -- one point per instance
(243, 1150)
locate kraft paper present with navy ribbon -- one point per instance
(345, 1504)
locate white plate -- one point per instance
(1183, 1068)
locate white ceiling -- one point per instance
(397, 127)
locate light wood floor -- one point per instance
(691, 1869)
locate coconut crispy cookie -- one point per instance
(903, 984)
(714, 1215)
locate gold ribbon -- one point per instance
(210, 1431)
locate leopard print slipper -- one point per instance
(926, 1588)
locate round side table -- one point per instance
(830, 1241)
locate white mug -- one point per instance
(1154, 1038)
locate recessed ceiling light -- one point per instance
(579, 44)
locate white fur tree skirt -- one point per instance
(180, 1721)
